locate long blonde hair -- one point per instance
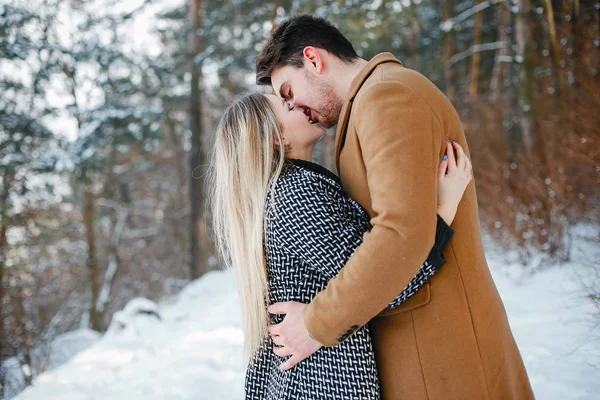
(244, 164)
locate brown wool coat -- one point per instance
(451, 340)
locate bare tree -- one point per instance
(198, 236)
(96, 320)
(475, 60)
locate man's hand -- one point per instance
(291, 334)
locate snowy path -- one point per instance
(194, 352)
(554, 325)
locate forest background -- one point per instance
(107, 111)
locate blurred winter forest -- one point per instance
(107, 109)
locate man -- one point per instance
(451, 340)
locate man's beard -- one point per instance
(330, 106)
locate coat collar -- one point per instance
(357, 82)
(317, 168)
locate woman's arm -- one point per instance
(454, 174)
(312, 224)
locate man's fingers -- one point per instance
(280, 308)
(273, 329)
(291, 363)
(282, 351)
(278, 340)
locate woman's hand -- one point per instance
(454, 175)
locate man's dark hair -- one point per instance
(289, 39)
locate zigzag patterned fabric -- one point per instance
(313, 230)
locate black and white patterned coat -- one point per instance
(309, 237)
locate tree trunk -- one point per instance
(475, 60)
(525, 70)
(554, 45)
(198, 236)
(96, 318)
(178, 149)
(414, 37)
(24, 335)
(567, 23)
(497, 72)
(568, 32)
(448, 50)
(274, 14)
(511, 125)
(596, 51)
(119, 222)
(3, 250)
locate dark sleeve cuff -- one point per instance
(436, 258)
(443, 234)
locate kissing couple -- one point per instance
(370, 284)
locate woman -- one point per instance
(287, 227)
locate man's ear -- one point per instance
(313, 59)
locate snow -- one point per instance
(62, 349)
(67, 345)
(192, 352)
(555, 327)
(189, 346)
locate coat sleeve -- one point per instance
(316, 229)
(435, 261)
(399, 144)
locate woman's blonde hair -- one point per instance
(244, 164)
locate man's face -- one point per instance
(311, 92)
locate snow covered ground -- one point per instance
(189, 347)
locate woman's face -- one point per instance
(297, 128)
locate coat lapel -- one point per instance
(357, 82)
